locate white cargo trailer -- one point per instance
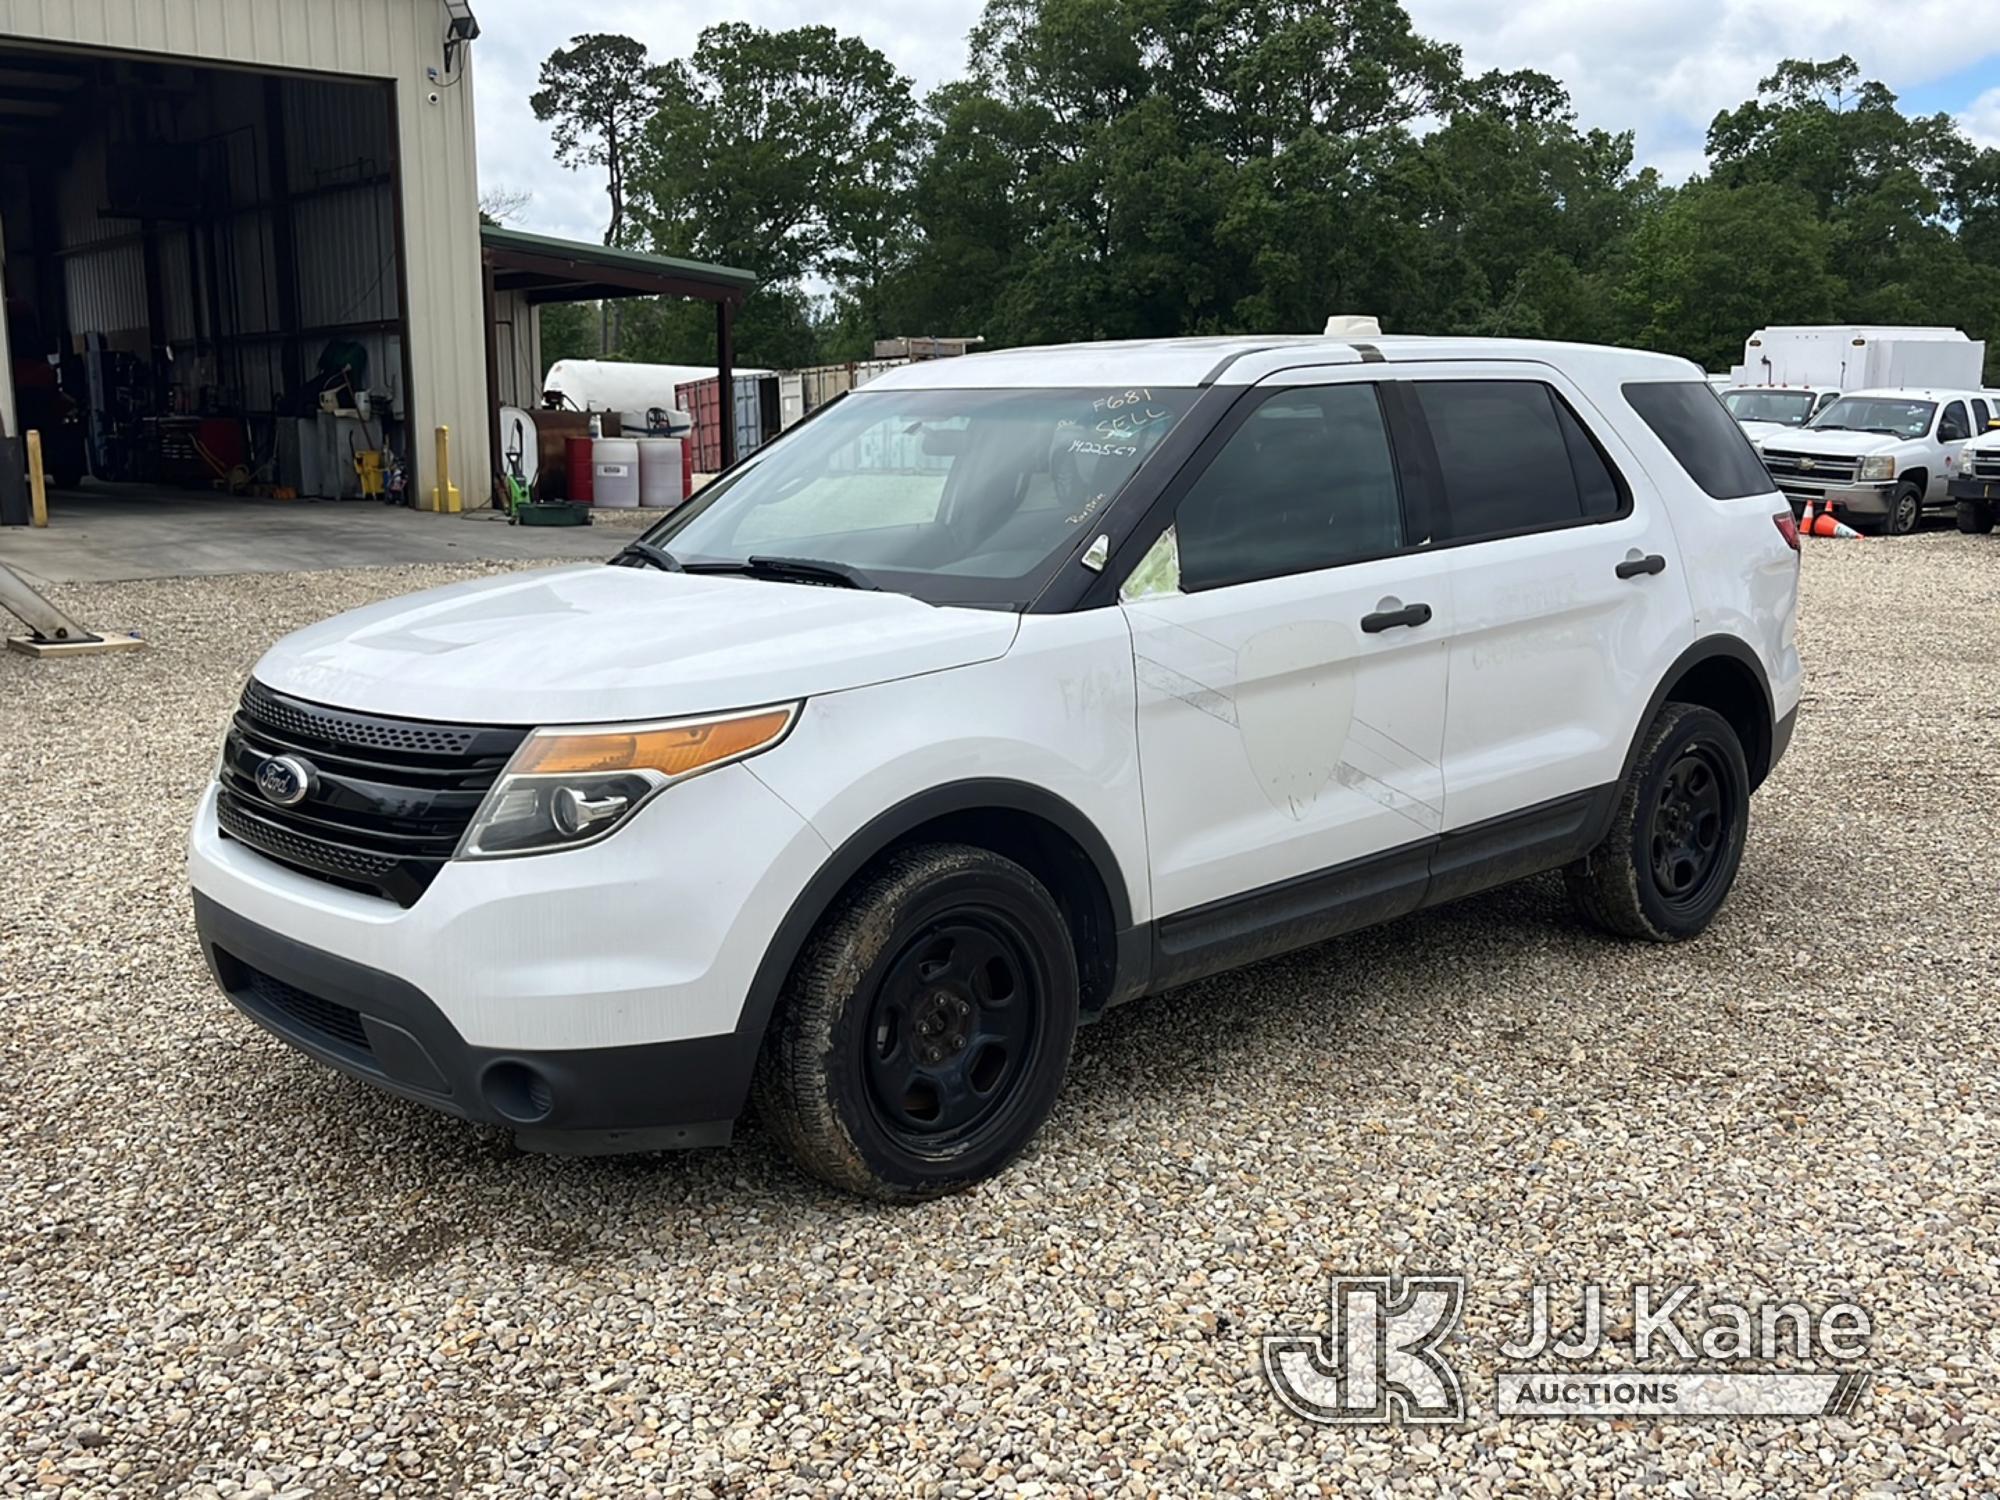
(1853, 357)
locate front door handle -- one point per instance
(1388, 619)
(1634, 567)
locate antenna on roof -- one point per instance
(1349, 326)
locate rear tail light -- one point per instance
(1788, 528)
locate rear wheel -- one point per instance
(1906, 509)
(924, 1034)
(1676, 841)
(1975, 517)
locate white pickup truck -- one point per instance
(1879, 458)
(1764, 410)
(1976, 486)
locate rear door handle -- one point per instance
(1388, 619)
(1633, 567)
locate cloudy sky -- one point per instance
(1660, 67)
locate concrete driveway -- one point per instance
(111, 534)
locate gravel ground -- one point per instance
(226, 1270)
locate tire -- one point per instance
(1975, 517)
(924, 1033)
(1676, 840)
(1906, 510)
(67, 479)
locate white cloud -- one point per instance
(1662, 68)
(1981, 119)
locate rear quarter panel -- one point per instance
(1742, 576)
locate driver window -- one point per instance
(1307, 482)
(1952, 426)
(1826, 399)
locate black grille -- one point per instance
(331, 1022)
(388, 801)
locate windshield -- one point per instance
(1883, 414)
(1788, 407)
(953, 496)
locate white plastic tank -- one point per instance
(616, 461)
(660, 473)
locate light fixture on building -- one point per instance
(463, 27)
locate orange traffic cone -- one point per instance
(1842, 529)
(1806, 521)
(1827, 526)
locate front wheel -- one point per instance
(1906, 509)
(1975, 517)
(1676, 841)
(925, 1031)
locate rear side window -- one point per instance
(1703, 438)
(1514, 458)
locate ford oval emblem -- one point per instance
(285, 780)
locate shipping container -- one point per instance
(757, 416)
(803, 392)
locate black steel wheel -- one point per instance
(1676, 839)
(1687, 826)
(925, 1031)
(953, 1025)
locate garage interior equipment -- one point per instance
(205, 275)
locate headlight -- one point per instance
(1882, 467)
(566, 787)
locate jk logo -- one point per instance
(1380, 1356)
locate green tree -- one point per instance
(1716, 262)
(791, 154)
(597, 94)
(569, 331)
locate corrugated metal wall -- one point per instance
(347, 251)
(517, 331)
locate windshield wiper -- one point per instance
(1830, 427)
(651, 556)
(798, 569)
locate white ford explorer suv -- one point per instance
(1001, 691)
(1878, 458)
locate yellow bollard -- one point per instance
(38, 484)
(444, 494)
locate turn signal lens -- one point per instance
(674, 750)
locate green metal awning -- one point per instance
(552, 270)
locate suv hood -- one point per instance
(1834, 444)
(594, 644)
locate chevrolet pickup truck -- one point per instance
(1879, 458)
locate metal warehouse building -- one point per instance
(242, 236)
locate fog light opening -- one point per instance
(518, 1093)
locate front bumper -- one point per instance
(385, 1031)
(592, 999)
(1855, 499)
(1966, 487)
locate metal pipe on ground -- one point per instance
(50, 631)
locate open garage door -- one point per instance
(205, 275)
